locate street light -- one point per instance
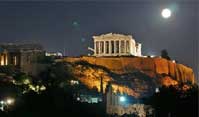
(157, 90)
(6, 103)
(1, 102)
(10, 101)
(122, 99)
(2, 105)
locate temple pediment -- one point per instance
(113, 36)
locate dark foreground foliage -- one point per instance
(175, 102)
(53, 102)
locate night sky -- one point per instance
(71, 25)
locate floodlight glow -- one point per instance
(157, 90)
(122, 99)
(78, 98)
(26, 81)
(10, 101)
(2, 102)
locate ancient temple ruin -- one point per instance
(116, 45)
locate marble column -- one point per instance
(97, 47)
(104, 47)
(107, 47)
(119, 47)
(125, 46)
(99, 44)
(2, 59)
(115, 47)
(6, 59)
(95, 52)
(110, 47)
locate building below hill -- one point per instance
(54, 54)
(121, 104)
(116, 45)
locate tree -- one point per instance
(56, 74)
(164, 54)
(176, 102)
(22, 78)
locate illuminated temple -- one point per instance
(116, 45)
(21, 56)
(18, 54)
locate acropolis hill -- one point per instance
(110, 50)
(136, 76)
(152, 67)
(117, 58)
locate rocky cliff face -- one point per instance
(149, 66)
(94, 77)
(134, 76)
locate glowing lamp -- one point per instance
(2, 102)
(10, 101)
(122, 99)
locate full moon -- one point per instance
(166, 13)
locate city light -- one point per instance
(2, 102)
(78, 98)
(74, 82)
(6, 103)
(122, 99)
(10, 101)
(157, 90)
(42, 88)
(26, 81)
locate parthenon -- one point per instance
(116, 45)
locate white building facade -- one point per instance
(114, 105)
(116, 45)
